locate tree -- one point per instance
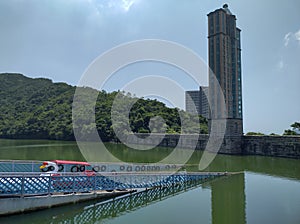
(296, 126)
(289, 132)
(255, 133)
(295, 129)
(41, 109)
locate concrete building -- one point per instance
(196, 101)
(204, 106)
(224, 55)
(192, 101)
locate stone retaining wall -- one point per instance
(279, 146)
(230, 145)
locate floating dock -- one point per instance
(15, 205)
(28, 191)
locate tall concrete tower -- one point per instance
(224, 46)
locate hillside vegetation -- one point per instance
(40, 109)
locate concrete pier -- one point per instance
(18, 205)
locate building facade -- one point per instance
(192, 101)
(196, 101)
(224, 55)
(204, 106)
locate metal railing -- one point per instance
(100, 211)
(34, 166)
(25, 184)
(115, 207)
(20, 166)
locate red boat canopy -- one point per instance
(71, 162)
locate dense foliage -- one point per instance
(41, 109)
(255, 133)
(294, 131)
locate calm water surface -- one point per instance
(267, 192)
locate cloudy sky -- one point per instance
(58, 39)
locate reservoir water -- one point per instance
(268, 190)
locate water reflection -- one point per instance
(227, 195)
(228, 200)
(50, 150)
(93, 211)
(38, 150)
(272, 166)
(237, 199)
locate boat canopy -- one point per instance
(70, 162)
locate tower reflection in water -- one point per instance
(228, 200)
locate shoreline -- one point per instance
(260, 145)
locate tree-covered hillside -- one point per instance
(35, 108)
(41, 109)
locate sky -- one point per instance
(59, 39)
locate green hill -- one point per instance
(40, 109)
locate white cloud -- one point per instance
(126, 4)
(115, 5)
(297, 35)
(291, 37)
(287, 38)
